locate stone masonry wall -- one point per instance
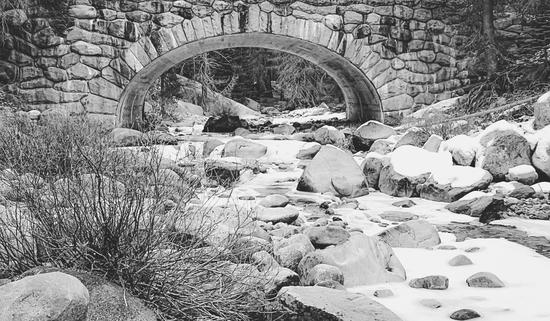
(404, 47)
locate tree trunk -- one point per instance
(489, 35)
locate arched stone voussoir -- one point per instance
(363, 102)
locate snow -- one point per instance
(524, 273)
(460, 176)
(542, 187)
(413, 161)
(531, 227)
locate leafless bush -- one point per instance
(74, 201)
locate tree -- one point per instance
(489, 37)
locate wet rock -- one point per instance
(464, 314)
(323, 273)
(431, 303)
(309, 152)
(51, 296)
(319, 303)
(411, 234)
(243, 148)
(287, 214)
(398, 216)
(485, 206)
(383, 293)
(324, 236)
(484, 280)
(460, 260)
(432, 282)
(333, 165)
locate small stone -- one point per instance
(432, 282)
(324, 236)
(274, 200)
(447, 247)
(396, 216)
(331, 284)
(431, 303)
(465, 314)
(247, 198)
(404, 203)
(383, 293)
(460, 260)
(472, 249)
(484, 280)
(322, 273)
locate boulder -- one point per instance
(414, 136)
(362, 259)
(283, 129)
(274, 200)
(278, 278)
(463, 148)
(496, 130)
(323, 273)
(373, 130)
(243, 132)
(290, 251)
(122, 137)
(433, 143)
(513, 189)
(323, 236)
(244, 148)
(541, 156)
(382, 146)
(411, 234)
(183, 110)
(542, 111)
(209, 146)
(329, 135)
(484, 280)
(223, 124)
(51, 296)
(333, 170)
(432, 282)
(483, 205)
(309, 151)
(505, 152)
(321, 303)
(408, 166)
(287, 214)
(525, 174)
(372, 166)
(449, 185)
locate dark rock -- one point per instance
(464, 314)
(224, 124)
(484, 280)
(432, 282)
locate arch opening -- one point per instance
(362, 100)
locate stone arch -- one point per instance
(362, 100)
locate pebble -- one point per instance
(465, 314)
(431, 303)
(484, 280)
(460, 260)
(383, 293)
(472, 250)
(404, 203)
(447, 247)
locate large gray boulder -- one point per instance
(290, 251)
(407, 167)
(541, 156)
(52, 296)
(373, 130)
(411, 234)
(362, 259)
(372, 166)
(320, 303)
(414, 136)
(333, 170)
(504, 153)
(329, 135)
(451, 184)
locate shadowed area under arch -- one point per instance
(362, 100)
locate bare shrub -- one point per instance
(73, 201)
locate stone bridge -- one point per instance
(387, 56)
